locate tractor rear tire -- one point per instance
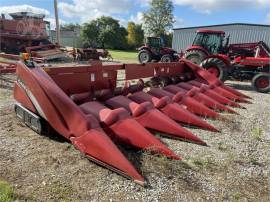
(195, 56)
(166, 58)
(261, 82)
(216, 67)
(144, 56)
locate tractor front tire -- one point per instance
(261, 82)
(144, 56)
(195, 56)
(216, 67)
(166, 58)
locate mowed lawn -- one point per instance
(124, 56)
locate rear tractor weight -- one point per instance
(261, 82)
(31, 120)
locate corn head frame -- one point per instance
(87, 106)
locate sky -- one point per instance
(187, 13)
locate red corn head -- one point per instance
(173, 110)
(229, 95)
(192, 105)
(236, 92)
(219, 83)
(211, 93)
(207, 101)
(117, 122)
(221, 91)
(221, 99)
(69, 121)
(98, 147)
(151, 118)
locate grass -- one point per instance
(60, 192)
(124, 56)
(222, 146)
(6, 192)
(201, 163)
(256, 133)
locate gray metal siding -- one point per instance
(183, 38)
(68, 38)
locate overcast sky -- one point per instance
(187, 12)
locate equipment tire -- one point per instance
(261, 82)
(195, 56)
(144, 56)
(166, 58)
(217, 67)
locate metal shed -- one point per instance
(239, 33)
(68, 38)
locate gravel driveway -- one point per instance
(234, 167)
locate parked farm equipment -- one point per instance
(85, 54)
(7, 67)
(86, 106)
(246, 61)
(8, 62)
(154, 49)
(27, 32)
(254, 69)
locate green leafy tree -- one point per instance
(135, 35)
(70, 27)
(158, 19)
(105, 32)
(90, 34)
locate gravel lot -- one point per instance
(234, 167)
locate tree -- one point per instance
(70, 27)
(90, 34)
(159, 18)
(135, 35)
(105, 32)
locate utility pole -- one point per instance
(57, 28)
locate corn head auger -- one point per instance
(86, 105)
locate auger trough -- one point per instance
(90, 108)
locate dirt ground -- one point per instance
(234, 167)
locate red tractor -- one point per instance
(246, 61)
(206, 42)
(154, 49)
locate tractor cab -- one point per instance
(207, 42)
(211, 41)
(155, 43)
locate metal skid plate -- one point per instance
(30, 119)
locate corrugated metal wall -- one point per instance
(239, 33)
(68, 38)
